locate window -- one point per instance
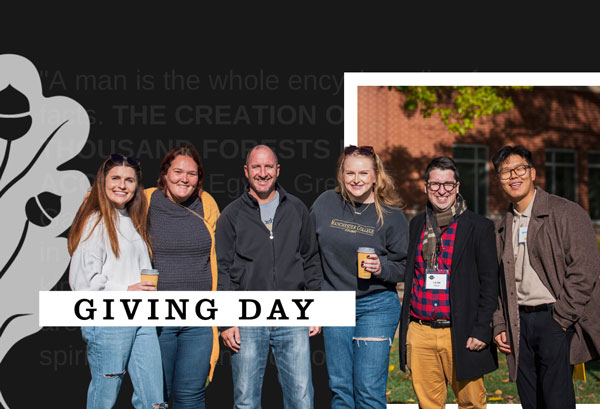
(472, 163)
(594, 183)
(561, 173)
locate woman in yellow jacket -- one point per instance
(181, 225)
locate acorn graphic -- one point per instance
(41, 209)
(15, 120)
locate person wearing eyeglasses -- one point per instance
(182, 219)
(547, 318)
(108, 243)
(450, 294)
(364, 210)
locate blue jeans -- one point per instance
(112, 349)
(186, 361)
(358, 357)
(291, 350)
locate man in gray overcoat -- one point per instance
(547, 319)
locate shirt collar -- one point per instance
(527, 212)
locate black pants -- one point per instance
(544, 378)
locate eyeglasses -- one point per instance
(120, 159)
(363, 150)
(519, 171)
(435, 186)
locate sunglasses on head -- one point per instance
(363, 150)
(120, 159)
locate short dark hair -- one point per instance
(443, 163)
(506, 151)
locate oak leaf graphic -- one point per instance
(37, 201)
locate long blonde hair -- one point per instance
(384, 191)
(98, 203)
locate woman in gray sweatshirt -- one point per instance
(363, 211)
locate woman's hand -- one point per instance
(372, 264)
(142, 286)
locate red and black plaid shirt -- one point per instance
(433, 304)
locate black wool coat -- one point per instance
(473, 292)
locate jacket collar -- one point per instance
(251, 200)
(539, 214)
(541, 209)
(464, 229)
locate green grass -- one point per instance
(400, 389)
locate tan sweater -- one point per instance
(530, 289)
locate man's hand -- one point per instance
(231, 338)
(312, 331)
(474, 344)
(500, 340)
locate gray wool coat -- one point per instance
(564, 253)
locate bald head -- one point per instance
(261, 147)
(261, 170)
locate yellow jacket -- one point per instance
(211, 214)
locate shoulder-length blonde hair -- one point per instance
(384, 191)
(98, 203)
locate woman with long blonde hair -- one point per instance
(108, 243)
(363, 213)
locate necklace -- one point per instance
(361, 212)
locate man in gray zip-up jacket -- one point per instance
(266, 242)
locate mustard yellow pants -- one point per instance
(430, 362)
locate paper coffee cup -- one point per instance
(363, 252)
(149, 275)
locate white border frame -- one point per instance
(352, 80)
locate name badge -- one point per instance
(523, 234)
(436, 279)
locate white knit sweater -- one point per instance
(94, 265)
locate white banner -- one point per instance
(197, 308)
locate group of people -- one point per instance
(469, 286)
(122, 228)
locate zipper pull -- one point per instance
(271, 234)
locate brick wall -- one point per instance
(545, 117)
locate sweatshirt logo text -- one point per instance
(352, 227)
